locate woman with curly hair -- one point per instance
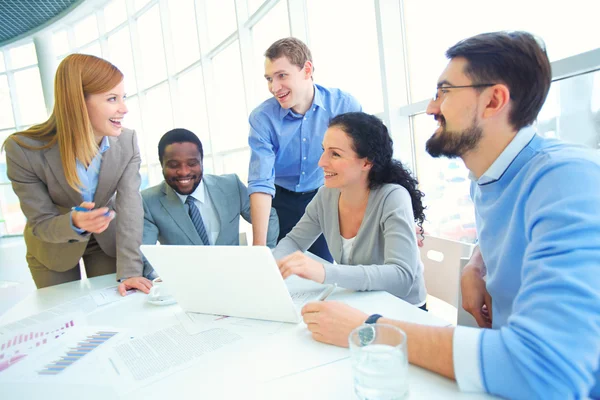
(366, 211)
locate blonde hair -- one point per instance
(77, 76)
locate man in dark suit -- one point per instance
(190, 208)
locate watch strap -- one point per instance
(372, 319)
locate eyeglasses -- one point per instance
(441, 91)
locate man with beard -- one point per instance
(537, 204)
(189, 208)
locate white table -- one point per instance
(250, 370)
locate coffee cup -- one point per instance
(159, 293)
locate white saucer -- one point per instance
(163, 302)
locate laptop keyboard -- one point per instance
(300, 298)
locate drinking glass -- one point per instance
(379, 362)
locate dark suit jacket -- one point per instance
(46, 199)
(167, 220)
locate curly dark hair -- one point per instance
(371, 140)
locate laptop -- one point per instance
(237, 281)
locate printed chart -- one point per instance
(22, 343)
(74, 354)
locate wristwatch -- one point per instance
(367, 335)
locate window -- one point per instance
(254, 5)
(572, 110)
(190, 111)
(155, 174)
(22, 56)
(231, 117)
(115, 13)
(60, 41)
(236, 163)
(133, 121)
(139, 4)
(445, 183)
(270, 28)
(157, 119)
(119, 53)
(92, 49)
(10, 211)
(346, 55)
(152, 48)
(221, 20)
(30, 97)
(428, 37)
(6, 113)
(86, 30)
(3, 136)
(184, 33)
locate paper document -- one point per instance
(77, 356)
(83, 305)
(194, 323)
(18, 344)
(109, 295)
(142, 360)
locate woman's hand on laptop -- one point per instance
(300, 264)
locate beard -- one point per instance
(453, 144)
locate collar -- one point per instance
(198, 194)
(317, 102)
(104, 145)
(501, 164)
(102, 148)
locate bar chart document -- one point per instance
(75, 353)
(18, 344)
(77, 356)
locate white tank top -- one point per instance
(346, 249)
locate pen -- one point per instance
(83, 209)
(327, 292)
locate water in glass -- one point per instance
(380, 372)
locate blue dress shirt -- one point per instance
(89, 176)
(286, 146)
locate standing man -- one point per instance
(537, 204)
(286, 132)
(191, 208)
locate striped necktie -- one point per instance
(197, 220)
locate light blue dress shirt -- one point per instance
(209, 214)
(89, 176)
(286, 146)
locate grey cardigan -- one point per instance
(384, 255)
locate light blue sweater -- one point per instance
(543, 260)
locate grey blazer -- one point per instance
(46, 199)
(384, 255)
(167, 220)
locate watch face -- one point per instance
(367, 335)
